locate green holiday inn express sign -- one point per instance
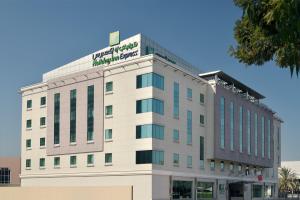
(115, 53)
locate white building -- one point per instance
(136, 114)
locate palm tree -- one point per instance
(287, 180)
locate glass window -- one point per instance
(43, 121)
(175, 135)
(28, 123)
(201, 152)
(28, 143)
(257, 191)
(28, 163)
(56, 118)
(176, 159)
(109, 110)
(176, 100)
(150, 79)
(222, 188)
(222, 165)
(108, 158)
(42, 142)
(202, 98)
(182, 189)
(202, 120)
(4, 176)
(73, 161)
(231, 126)
(90, 159)
(249, 132)
(150, 131)
(222, 123)
(90, 113)
(109, 86)
(269, 138)
(212, 165)
(205, 190)
(149, 156)
(29, 104)
(231, 167)
(108, 134)
(150, 105)
(241, 129)
(262, 137)
(73, 115)
(42, 162)
(56, 161)
(239, 167)
(189, 162)
(189, 94)
(43, 101)
(189, 127)
(255, 134)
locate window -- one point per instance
(222, 188)
(73, 115)
(231, 167)
(150, 157)
(269, 138)
(257, 191)
(56, 118)
(255, 134)
(42, 142)
(176, 100)
(56, 162)
(175, 136)
(43, 101)
(150, 131)
(4, 176)
(109, 86)
(222, 166)
(239, 167)
(189, 127)
(42, 162)
(28, 163)
(205, 190)
(29, 124)
(28, 144)
(150, 105)
(29, 104)
(90, 113)
(189, 161)
(202, 120)
(90, 159)
(249, 132)
(202, 98)
(212, 165)
(43, 121)
(241, 129)
(262, 137)
(73, 161)
(150, 79)
(222, 123)
(176, 159)
(108, 134)
(231, 126)
(108, 110)
(182, 190)
(108, 158)
(189, 94)
(201, 152)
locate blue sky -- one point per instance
(38, 36)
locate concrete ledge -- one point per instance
(67, 193)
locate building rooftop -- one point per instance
(232, 81)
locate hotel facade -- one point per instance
(136, 114)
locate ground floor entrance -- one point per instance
(236, 191)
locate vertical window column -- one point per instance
(263, 137)
(241, 129)
(222, 123)
(269, 139)
(176, 100)
(201, 152)
(90, 114)
(231, 126)
(255, 133)
(189, 127)
(73, 100)
(56, 119)
(249, 132)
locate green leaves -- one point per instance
(268, 30)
